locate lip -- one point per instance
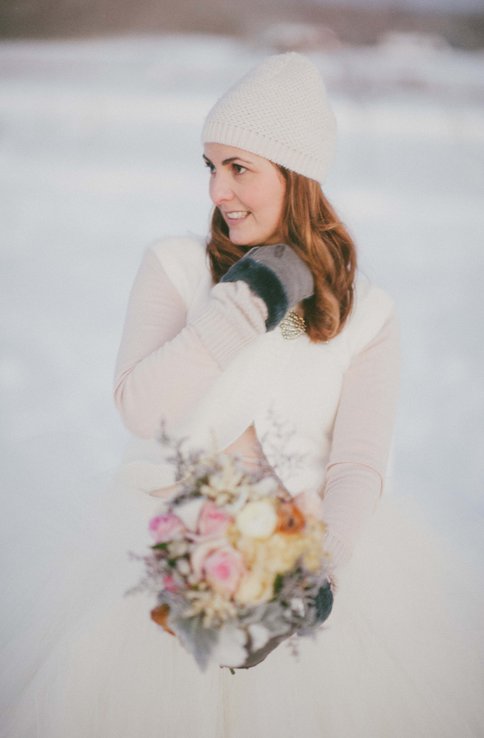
(235, 221)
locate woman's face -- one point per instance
(249, 192)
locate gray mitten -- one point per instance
(277, 275)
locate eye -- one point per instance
(239, 168)
(209, 165)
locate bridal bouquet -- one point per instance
(237, 565)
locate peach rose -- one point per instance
(213, 521)
(290, 519)
(165, 527)
(311, 504)
(160, 616)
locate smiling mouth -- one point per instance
(236, 216)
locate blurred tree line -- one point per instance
(362, 24)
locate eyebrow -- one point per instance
(227, 161)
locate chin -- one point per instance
(240, 240)
(237, 240)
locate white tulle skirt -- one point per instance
(399, 657)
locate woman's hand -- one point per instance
(277, 275)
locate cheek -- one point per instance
(275, 195)
(268, 202)
(274, 206)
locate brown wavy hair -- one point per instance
(311, 227)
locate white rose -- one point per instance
(183, 567)
(257, 519)
(297, 605)
(230, 647)
(259, 634)
(265, 486)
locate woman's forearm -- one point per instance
(164, 365)
(362, 438)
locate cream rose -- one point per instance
(257, 519)
(255, 587)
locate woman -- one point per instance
(265, 194)
(268, 340)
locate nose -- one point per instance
(220, 188)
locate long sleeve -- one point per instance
(361, 441)
(164, 365)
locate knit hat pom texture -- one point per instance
(279, 110)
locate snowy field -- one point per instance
(100, 155)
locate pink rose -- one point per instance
(166, 527)
(220, 564)
(169, 583)
(213, 521)
(223, 569)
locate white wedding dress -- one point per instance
(399, 657)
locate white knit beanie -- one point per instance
(279, 110)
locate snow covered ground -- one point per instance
(100, 155)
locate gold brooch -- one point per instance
(292, 325)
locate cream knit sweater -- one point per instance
(170, 359)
